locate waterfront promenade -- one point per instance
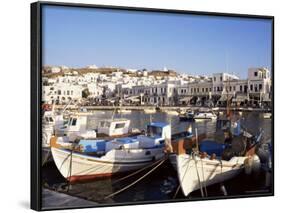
(101, 107)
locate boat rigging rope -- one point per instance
(70, 168)
(204, 181)
(123, 189)
(199, 181)
(136, 172)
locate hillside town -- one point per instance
(108, 86)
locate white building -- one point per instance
(55, 69)
(62, 93)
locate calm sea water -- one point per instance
(162, 183)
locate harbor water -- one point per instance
(162, 184)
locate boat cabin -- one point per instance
(76, 123)
(114, 127)
(76, 126)
(156, 135)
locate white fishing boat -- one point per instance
(170, 112)
(76, 127)
(188, 116)
(99, 158)
(250, 109)
(205, 115)
(149, 110)
(124, 111)
(267, 115)
(82, 112)
(50, 123)
(195, 172)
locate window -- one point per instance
(251, 87)
(256, 74)
(67, 92)
(74, 121)
(214, 78)
(221, 78)
(241, 88)
(260, 86)
(218, 89)
(234, 88)
(119, 125)
(230, 89)
(202, 89)
(154, 131)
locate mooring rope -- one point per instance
(123, 189)
(136, 172)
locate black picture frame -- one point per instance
(36, 95)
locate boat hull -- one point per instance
(46, 155)
(80, 167)
(194, 173)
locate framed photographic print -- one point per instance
(139, 105)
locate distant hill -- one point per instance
(52, 72)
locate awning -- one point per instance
(266, 99)
(185, 99)
(133, 98)
(224, 97)
(240, 98)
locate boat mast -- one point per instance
(227, 90)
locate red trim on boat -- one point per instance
(85, 178)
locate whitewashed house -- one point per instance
(61, 93)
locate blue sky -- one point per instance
(194, 44)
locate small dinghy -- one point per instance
(188, 116)
(267, 115)
(205, 115)
(149, 110)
